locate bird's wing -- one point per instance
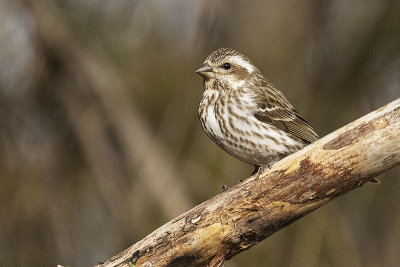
(273, 108)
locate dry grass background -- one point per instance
(100, 142)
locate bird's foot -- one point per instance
(258, 170)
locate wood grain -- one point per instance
(249, 212)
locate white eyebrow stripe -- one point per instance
(241, 62)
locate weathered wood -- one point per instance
(247, 213)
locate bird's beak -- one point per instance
(206, 71)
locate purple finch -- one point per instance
(247, 116)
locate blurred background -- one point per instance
(100, 143)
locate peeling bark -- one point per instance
(249, 212)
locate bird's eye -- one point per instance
(226, 66)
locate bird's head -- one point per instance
(228, 67)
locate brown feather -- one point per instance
(245, 114)
(276, 110)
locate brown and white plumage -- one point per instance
(245, 114)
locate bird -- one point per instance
(246, 115)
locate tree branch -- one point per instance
(247, 213)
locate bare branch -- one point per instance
(247, 213)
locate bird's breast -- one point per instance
(229, 121)
(208, 116)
